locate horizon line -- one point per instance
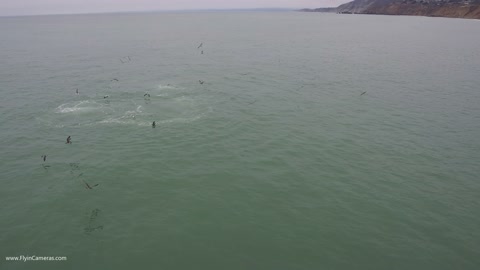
(272, 9)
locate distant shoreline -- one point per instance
(467, 9)
(158, 11)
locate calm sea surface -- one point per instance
(275, 162)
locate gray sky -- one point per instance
(29, 7)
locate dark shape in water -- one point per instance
(69, 140)
(106, 96)
(92, 220)
(146, 95)
(199, 46)
(153, 124)
(91, 229)
(200, 81)
(125, 59)
(363, 93)
(87, 186)
(74, 166)
(76, 91)
(44, 157)
(114, 79)
(202, 52)
(94, 214)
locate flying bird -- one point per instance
(44, 157)
(69, 140)
(200, 81)
(363, 93)
(199, 46)
(87, 186)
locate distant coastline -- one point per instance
(466, 9)
(157, 11)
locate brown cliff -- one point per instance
(469, 9)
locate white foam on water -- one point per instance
(79, 106)
(121, 120)
(129, 119)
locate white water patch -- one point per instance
(130, 109)
(167, 90)
(80, 107)
(130, 118)
(132, 114)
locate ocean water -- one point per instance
(277, 161)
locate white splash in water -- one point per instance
(80, 106)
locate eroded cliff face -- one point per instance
(438, 8)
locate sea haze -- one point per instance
(316, 141)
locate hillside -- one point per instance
(436, 8)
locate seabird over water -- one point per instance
(153, 124)
(363, 93)
(44, 157)
(88, 186)
(199, 46)
(200, 81)
(69, 140)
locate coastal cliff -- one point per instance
(469, 9)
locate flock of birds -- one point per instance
(92, 226)
(123, 60)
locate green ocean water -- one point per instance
(276, 161)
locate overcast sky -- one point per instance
(30, 7)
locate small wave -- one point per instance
(80, 106)
(128, 120)
(121, 120)
(168, 86)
